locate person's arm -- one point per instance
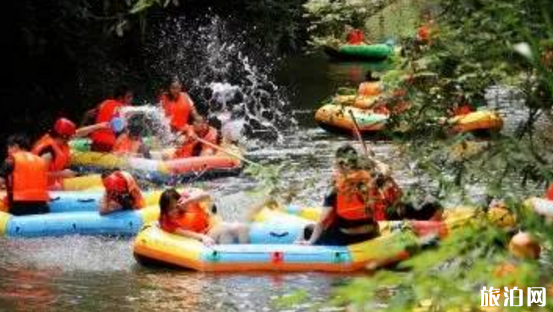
(85, 131)
(64, 174)
(206, 240)
(318, 229)
(195, 197)
(89, 117)
(193, 109)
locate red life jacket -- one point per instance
(177, 110)
(549, 193)
(355, 36)
(60, 160)
(129, 185)
(107, 110)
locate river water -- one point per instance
(94, 274)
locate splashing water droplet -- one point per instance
(222, 76)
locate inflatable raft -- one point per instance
(476, 121)
(360, 52)
(217, 165)
(338, 119)
(272, 248)
(77, 213)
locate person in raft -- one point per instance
(121, 193)
(130, 142)
(186, 215)
(103, 140)
(25, 176)
(177, 105)
(354, 36)
(362, 193)
(190, 145)
(54, 148)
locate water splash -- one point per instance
(221, 75)
(151, 119)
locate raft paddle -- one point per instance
(227, 152)
(359, 137)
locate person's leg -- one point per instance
(224, 233)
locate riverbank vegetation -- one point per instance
(475, 48)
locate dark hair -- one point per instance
(121, 91)
(172, 80)
(20, 140)
(165, 200)
(135, 125)
(347, 154)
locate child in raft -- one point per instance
(122, 193)
(186, 215)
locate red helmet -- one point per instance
(65, 127)
(115, 182)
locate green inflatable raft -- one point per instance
(360, 52)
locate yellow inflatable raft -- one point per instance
(271, 247)
(475, 121)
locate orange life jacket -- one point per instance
(177, 110)
(132, 189)
(462, 110)
(423, 33)
(29, 179)
(125, 145)
(107, 110)
(359, 198)
(60, 160)
(369, 88)
(195, 219)
(187, 149)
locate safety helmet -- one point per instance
(115, 182)
(65, 127)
